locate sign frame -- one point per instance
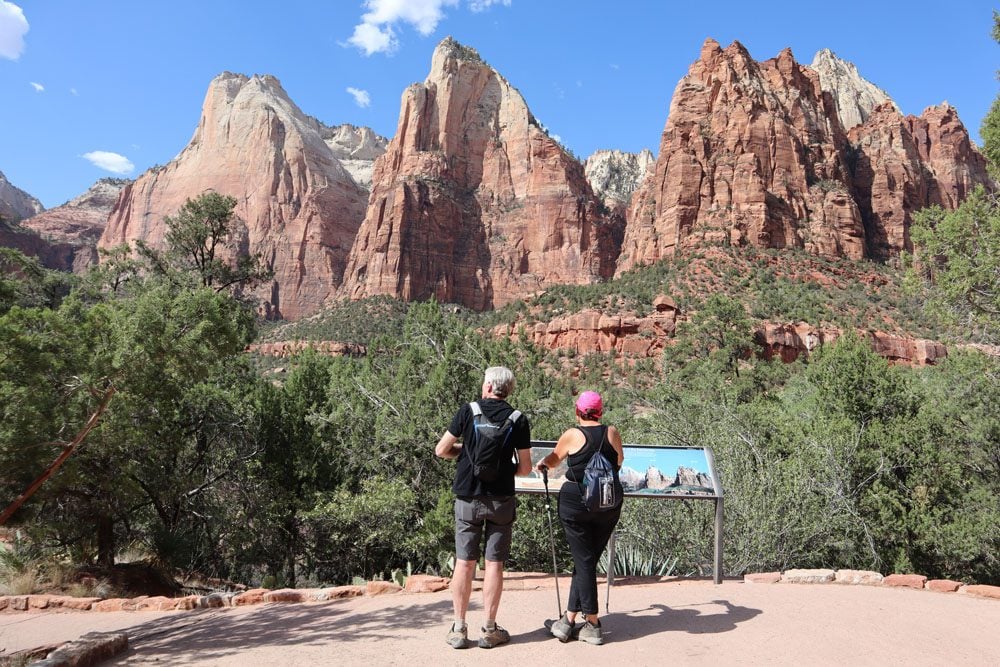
(531, 484)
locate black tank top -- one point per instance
(597, 438)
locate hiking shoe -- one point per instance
(591, 634)
(494, 637)
(458, 638)
(562, 629)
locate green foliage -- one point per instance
(957, 262)
(25, 282)
(196, 238)
(635, 558)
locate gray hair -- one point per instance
(501, 379)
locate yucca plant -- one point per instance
(635, 559)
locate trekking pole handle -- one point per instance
(545, 476)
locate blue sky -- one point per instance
(126, 78)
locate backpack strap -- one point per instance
(476, 410)
(514, 416)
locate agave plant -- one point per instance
(634, 558)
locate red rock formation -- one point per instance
(905, 164)
(473, 202)
(889, 182)
(591, 331)
(751, 154)
(299, 206)
(754, 153)
(76, 226)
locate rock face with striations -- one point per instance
(76, 226)
(855, 96)
(903, 164)
(473, 202)
(751, 154)
(756, 154)
(15, 203)
(299, 206)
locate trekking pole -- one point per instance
(552, 540)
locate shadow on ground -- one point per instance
(216, 634)
(707, 618)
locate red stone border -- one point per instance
(869, 578)
(417, 583)
(422, 583)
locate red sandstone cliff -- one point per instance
(473, 202)
(755, 153)
(751, 154)
(903, 164)
(300, 208)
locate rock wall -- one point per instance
(299, 206)
(15, 203)
(751, 154)
(473, 202)
(903, 164)
(756, 154)
(76, 226)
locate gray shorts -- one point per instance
(493, 516)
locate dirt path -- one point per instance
(675, 623)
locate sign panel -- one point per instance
(648, 472)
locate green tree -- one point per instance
(200, 239)
(957, 262)
(957, 253)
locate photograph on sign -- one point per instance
(647, 471)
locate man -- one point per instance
(484, 508)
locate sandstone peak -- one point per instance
(855, 96)
(615, 175)
(743, 150)
(299, 206)
(15, 203)
(710, 48)
(473, 202)
(449, 47)
(357, 148)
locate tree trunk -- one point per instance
(105, 541)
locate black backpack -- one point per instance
(491, 440)
(600, 489)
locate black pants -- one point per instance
(588, 534)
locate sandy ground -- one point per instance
(675, 623)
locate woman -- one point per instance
(587, 532)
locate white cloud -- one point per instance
(556, 137)
(113, 162)
(372, 39)
(376, 34)
(39, 88)
(483, 5)
(13, 27)
(361, 97)
(73, 92)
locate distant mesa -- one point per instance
(76, 227)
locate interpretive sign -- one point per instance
(648, 471)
